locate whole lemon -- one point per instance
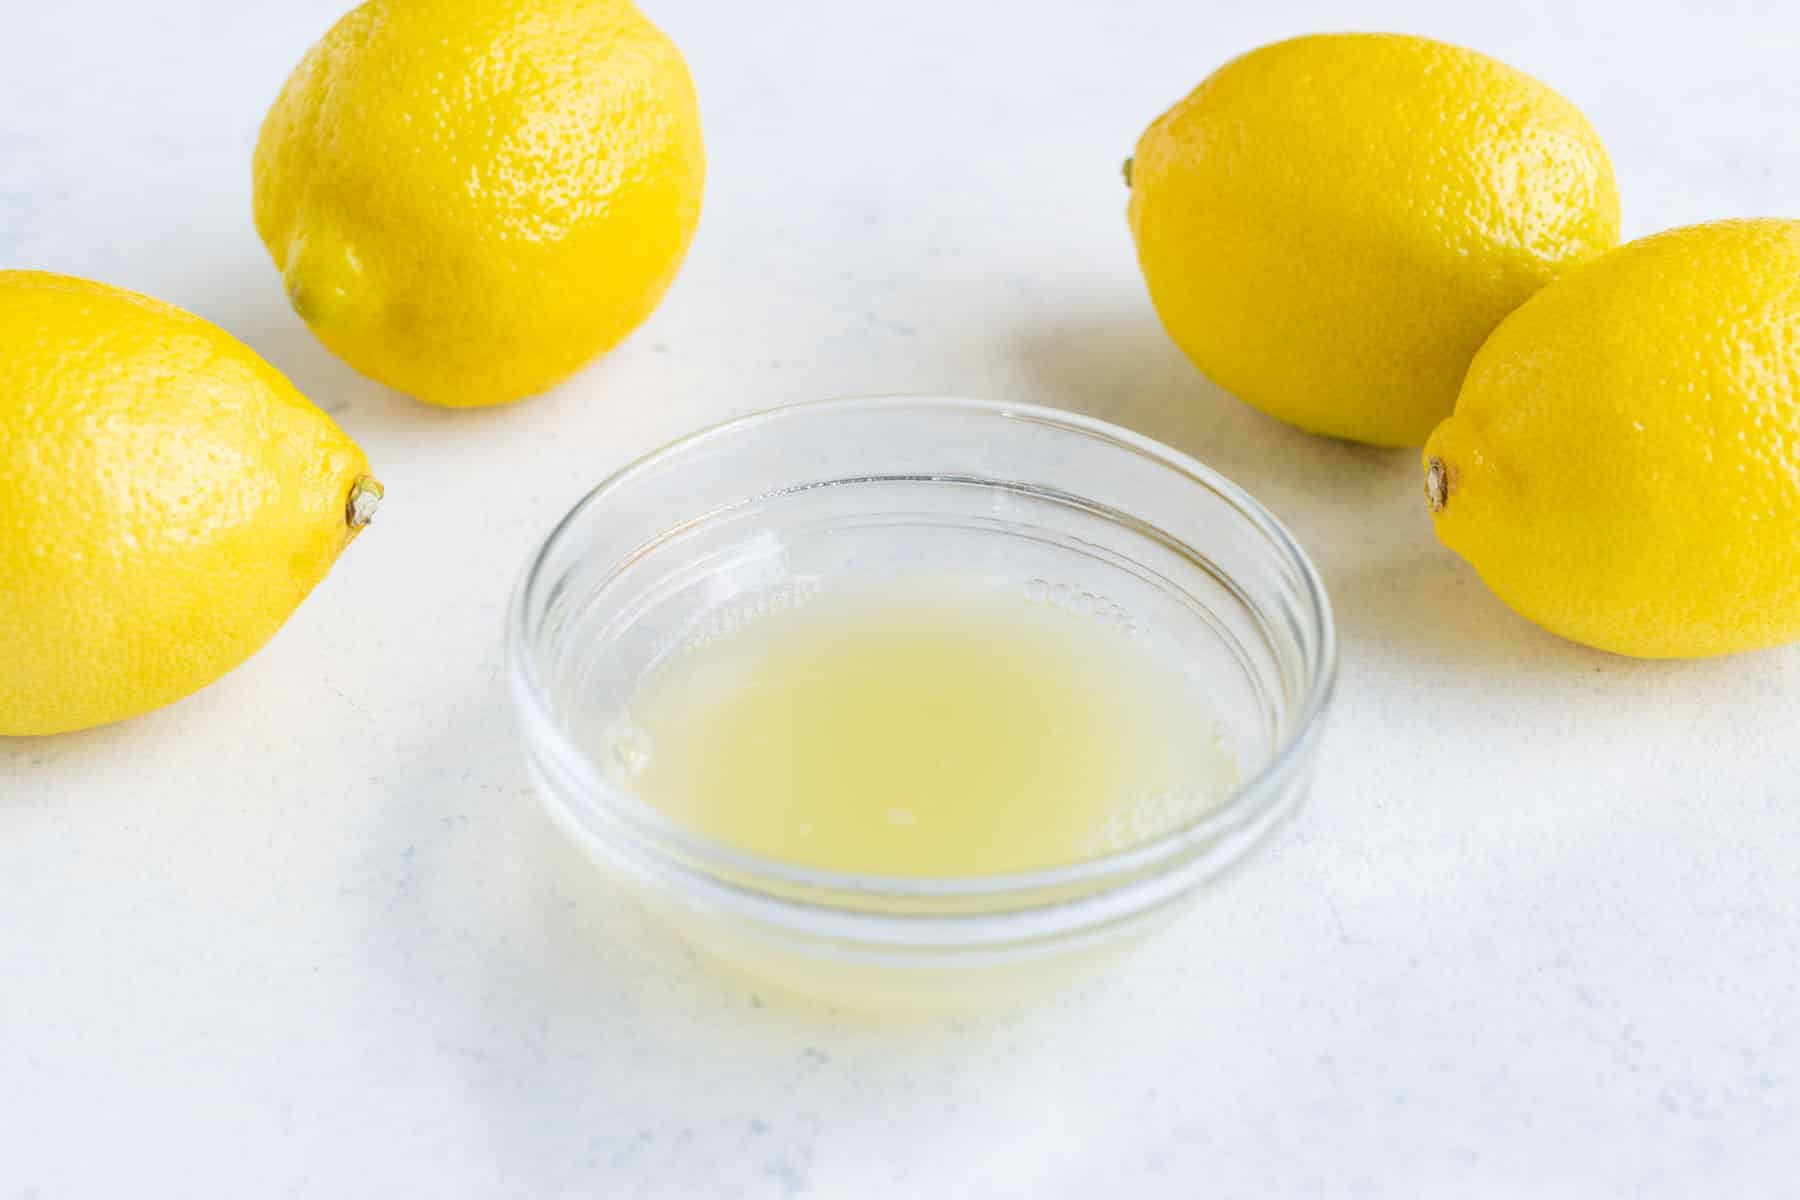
(1624, 463)
(1330, 226)
(469, 200)
(166, 500)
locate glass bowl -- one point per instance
(704, 533)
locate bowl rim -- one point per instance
(737, 871)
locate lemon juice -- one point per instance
(937, 728)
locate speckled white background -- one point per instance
(306, 935)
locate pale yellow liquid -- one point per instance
(936, 729)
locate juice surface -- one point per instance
(933, 729)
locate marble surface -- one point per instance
(306, 934)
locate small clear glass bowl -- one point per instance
(1067, 510)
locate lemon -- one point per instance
(1330, 226)
(1623, 466)
(166, 500)
(469, 200)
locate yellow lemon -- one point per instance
(1330, 226)
(469, 200)
(166, 500)
(1624, 463)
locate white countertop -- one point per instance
(307, 935)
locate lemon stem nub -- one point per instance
(1125, 169)
(365, 498)
(1437, 484)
